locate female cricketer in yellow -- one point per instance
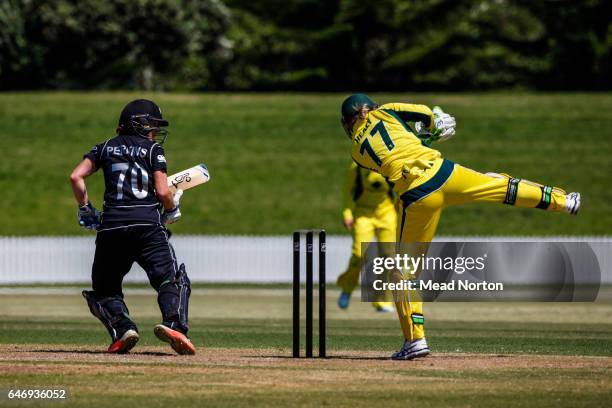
(383, 141)
(368, 211)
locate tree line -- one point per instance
(331, 45)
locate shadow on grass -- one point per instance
(325, 358)
(137, 353)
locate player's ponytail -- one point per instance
(355, 107)
(364, 110)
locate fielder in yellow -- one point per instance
(384, 141)
(368, 212)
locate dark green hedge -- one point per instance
(305, 44)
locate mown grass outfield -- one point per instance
(510, 354)
(277, 161)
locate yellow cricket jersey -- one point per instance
(364, 190)
(385, 143)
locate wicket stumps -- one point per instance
(309, 283)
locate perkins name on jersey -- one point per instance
(123, 150)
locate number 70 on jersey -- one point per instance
(183, 180)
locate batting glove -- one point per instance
(173, 215)
(444, 125)
(88, 216)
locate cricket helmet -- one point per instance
(352, 106)
(142, 116)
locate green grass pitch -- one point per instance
(510, 354)
(277, 160)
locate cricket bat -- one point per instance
(189, 178)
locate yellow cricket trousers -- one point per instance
(382, 224)
(447, 183)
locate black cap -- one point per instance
(141, 107)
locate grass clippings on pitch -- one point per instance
(513, 354)
(261, 377)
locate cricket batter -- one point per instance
(368, 212)
(383, 141)
(131, 228)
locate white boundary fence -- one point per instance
(254, 259)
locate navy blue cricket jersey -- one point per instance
(128, 162)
